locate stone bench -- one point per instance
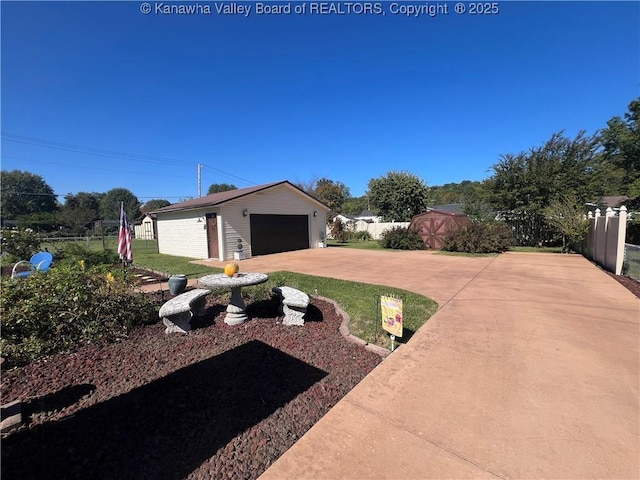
(177, 312)
(294, 305)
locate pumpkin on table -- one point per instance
(230, 269)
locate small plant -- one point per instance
(363, 236)
(22, 243)
(479, 237)
(340, 231)
(74, 252)
(401, 238)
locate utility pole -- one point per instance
(199, 180)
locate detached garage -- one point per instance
(272, 218)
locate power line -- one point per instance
(41, 142)
(147, 173)
(244, 180)
(153, 197)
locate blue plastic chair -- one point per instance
(40, 262)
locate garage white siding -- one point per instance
(279, 200)
(275, 207)
(180, 234)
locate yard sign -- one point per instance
(391, 315)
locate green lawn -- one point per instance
(145, 255)
(464, 254)
(537, 249)
(362, 244)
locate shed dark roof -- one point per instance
(367, 213)
(223, 197)
(613, 201)
(442, 212)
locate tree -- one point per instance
(110, 204)
(84, 199)
(80, 210)
(220, 187)
(621, 142)
(566, 214)
(39, 221)
(307, 186)
(465, 191)
(340, 231)
(155, 204)
(524, 184)
(24, 193)
(330, 192)
(355, 205)
(398, 196)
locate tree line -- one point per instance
(529, 190)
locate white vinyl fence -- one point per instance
(605, 240)
(376, 229)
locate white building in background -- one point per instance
(146, 229)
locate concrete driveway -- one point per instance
(529, 369)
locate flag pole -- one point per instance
(124, 238)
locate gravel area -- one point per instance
(221, 402)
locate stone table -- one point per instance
(236, 313)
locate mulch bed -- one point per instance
(629, 283)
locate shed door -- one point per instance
(278, 233)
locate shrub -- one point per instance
(340, 231)
(72, 252)
(479, 237)
(401, 238)
(54, 312)
(20, 242)
(363, 236)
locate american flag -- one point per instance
(124, 237)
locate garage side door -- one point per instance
(278, 233)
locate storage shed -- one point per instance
(271, 218)
(434, 225)
(145, 228)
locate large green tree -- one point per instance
(524, 185)
(355, 205)
(154, 204)
(332, 193)
(465, 191)
(25, 193)
(220, 187)
(79, 211)
(621, 143)
(398, 196)
(110, 204)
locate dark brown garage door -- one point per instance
(278, 233)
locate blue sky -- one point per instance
(98, 95)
